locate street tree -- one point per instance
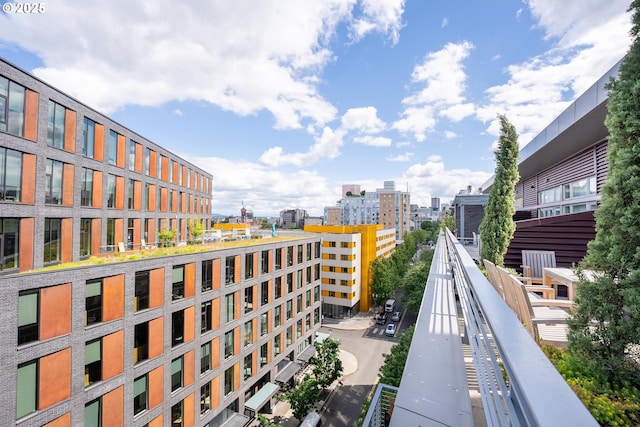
(414, 284)
(326, 363)
(605, 331)
(497, 226)
(303, 397)
(393, 366)
(384, 278)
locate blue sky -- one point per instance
(284, 101)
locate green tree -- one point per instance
(326, 364)
(433, 228)
(606, 323)
(497, 226)
(266, 422)
(393, 366)
(384, 278)
(448, 221)
(195, 229)
(303, 397)
(415, 281)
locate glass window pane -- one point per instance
(178, 274)
(27, 309)
(93, 289)
(26, 395)
(92, 414)
(140, 386)
(16, 109)
(92, 352)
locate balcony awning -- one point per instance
(307, 354)
(263, 395)
(288, 372)
(237, 420)
(321, 336)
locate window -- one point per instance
(92, 362)
(298, 328)
(276, 344)
(277, 288)
(139, 394)
(205, 398)
(10, 175)
(111, 191)
(277, 316)
(583, 187)
(170, 171)
(51, 251)
(264, 355)
(299, 282)
(12, 97)
(113, 147)
(27, 396)
(207, 275)
(289, 283)
(228, 381)
(206, 314)
(248, 333)
(248, 299)
(228, 344)
(140, 342)
(159, 171)
(316, 270)
(88, 137)
(264, 324)
(176, 374)
(308, 252)
(229, 304)
(248, 265)
(264, 293)
(289, 336)
(316, 315)
(248, 366)
(264, 262)
(289, 309)
(85, 237)
(308, 277)
(176, 415)
(9, 243)
(53, 182)
(177, 328)
(141, 296)
(307, 322)
(299, 303)
(28, 322)
(55, 127)
(177, 283)
(289, 256)
(93, 413)
(111, 239)
(86, 187)
(131, 193)
(131, 161)
(300, 254)
(93, 302)
(278, 258)
(145, 162)
(205, 357)
(230, 270)
(316, 294)
(316, 253)
(307, 299)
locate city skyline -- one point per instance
(284, 102)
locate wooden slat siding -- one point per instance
(602, 166)
(567, 235)
(530, 188)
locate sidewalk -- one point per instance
(282, 413)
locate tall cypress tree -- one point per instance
(607, 318)
(497, 226)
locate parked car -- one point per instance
(396, 316)
(382, 319)
(391, 329)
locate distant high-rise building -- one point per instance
(354, 189)
(292, 218)
(435, 204)
(385, 206)
(331, 215)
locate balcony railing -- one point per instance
(518, 385)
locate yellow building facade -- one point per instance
(347, 254)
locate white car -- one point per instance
(396, 316)
(391, 329)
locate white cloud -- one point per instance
(400, 157)
(384, 16)
(587, 44)
(373, 141)
(327, 145)
(442, 78)
(433, 179)
(364, 119)
(450, 134)
(445, 22)
(178, 112)
(263, 189)
(242, 56)
(458, 112)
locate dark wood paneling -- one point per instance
(567, 235)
